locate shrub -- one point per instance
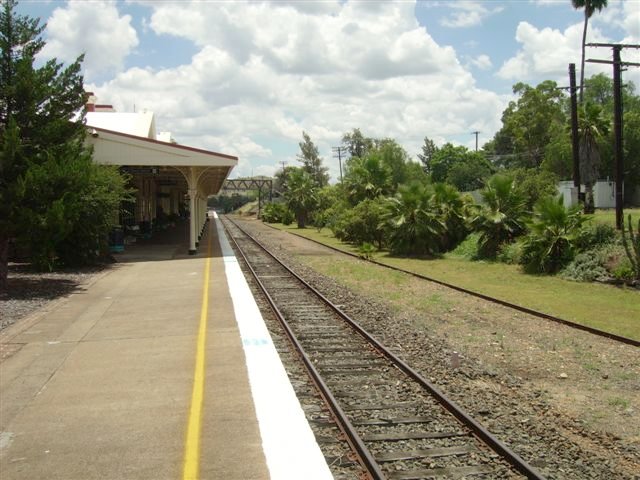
(365, 251)
(585, 267)
(632, 247)
(510, 253)
(604, 262)
(288, 217)
(468, 248)
(363, 223)
(276, 213)
(595, 235)
(624, 271)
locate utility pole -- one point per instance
(617, 118)
(574, 128)
(476, 134)
(339, 151)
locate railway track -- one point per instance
(520, 308)
(399, 424)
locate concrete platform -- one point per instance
(105, 384)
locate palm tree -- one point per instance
(590, 6)
(367, 177)
(592, 126)
(503, 216)
(550, 244)
(301, 194)
(415, 227)
(452, 210)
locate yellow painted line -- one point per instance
(192, 444)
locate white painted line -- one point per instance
(287, 440)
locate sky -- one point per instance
(246, 78)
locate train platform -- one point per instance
(161, 368)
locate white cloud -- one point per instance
(94, 28)
(546, 53)
(483, 62)
(467, 13)
(266, 72)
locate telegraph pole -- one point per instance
(339, 151)
(476, 134)
(574, 127)
(617, 118)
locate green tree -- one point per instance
(631, 138)
(590, 6)
(459, 166)
(599, 91)
(69, 206)
(502, 217)
(528, 124)
(558, 155)
(429, 149)
(397, 161)
(301, 195)
(312, 162)
(45, 169)
(533, 184)
(357, 144)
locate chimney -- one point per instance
(91, 102)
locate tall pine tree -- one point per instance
(312, 162)
(51, 193)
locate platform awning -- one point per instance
(203, 170)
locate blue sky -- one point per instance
(246, 78)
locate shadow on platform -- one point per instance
(169, 244)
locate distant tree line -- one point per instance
(387, 201)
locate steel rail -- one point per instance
(483, 434)
(365, 457)
(504, 303)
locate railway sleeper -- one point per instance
(451, 472)
(427, 453)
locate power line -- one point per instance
(339, 151)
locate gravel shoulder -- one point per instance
(564, 399)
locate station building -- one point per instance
(171, 180)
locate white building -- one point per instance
(164, 172)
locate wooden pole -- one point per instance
(574, 127)
(617, 125)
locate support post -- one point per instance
(260, 201)
(192, 221)
(617, 125)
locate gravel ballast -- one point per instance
(524, 378)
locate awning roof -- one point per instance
(209, 169)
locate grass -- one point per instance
(609, 216)
(612, 309)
